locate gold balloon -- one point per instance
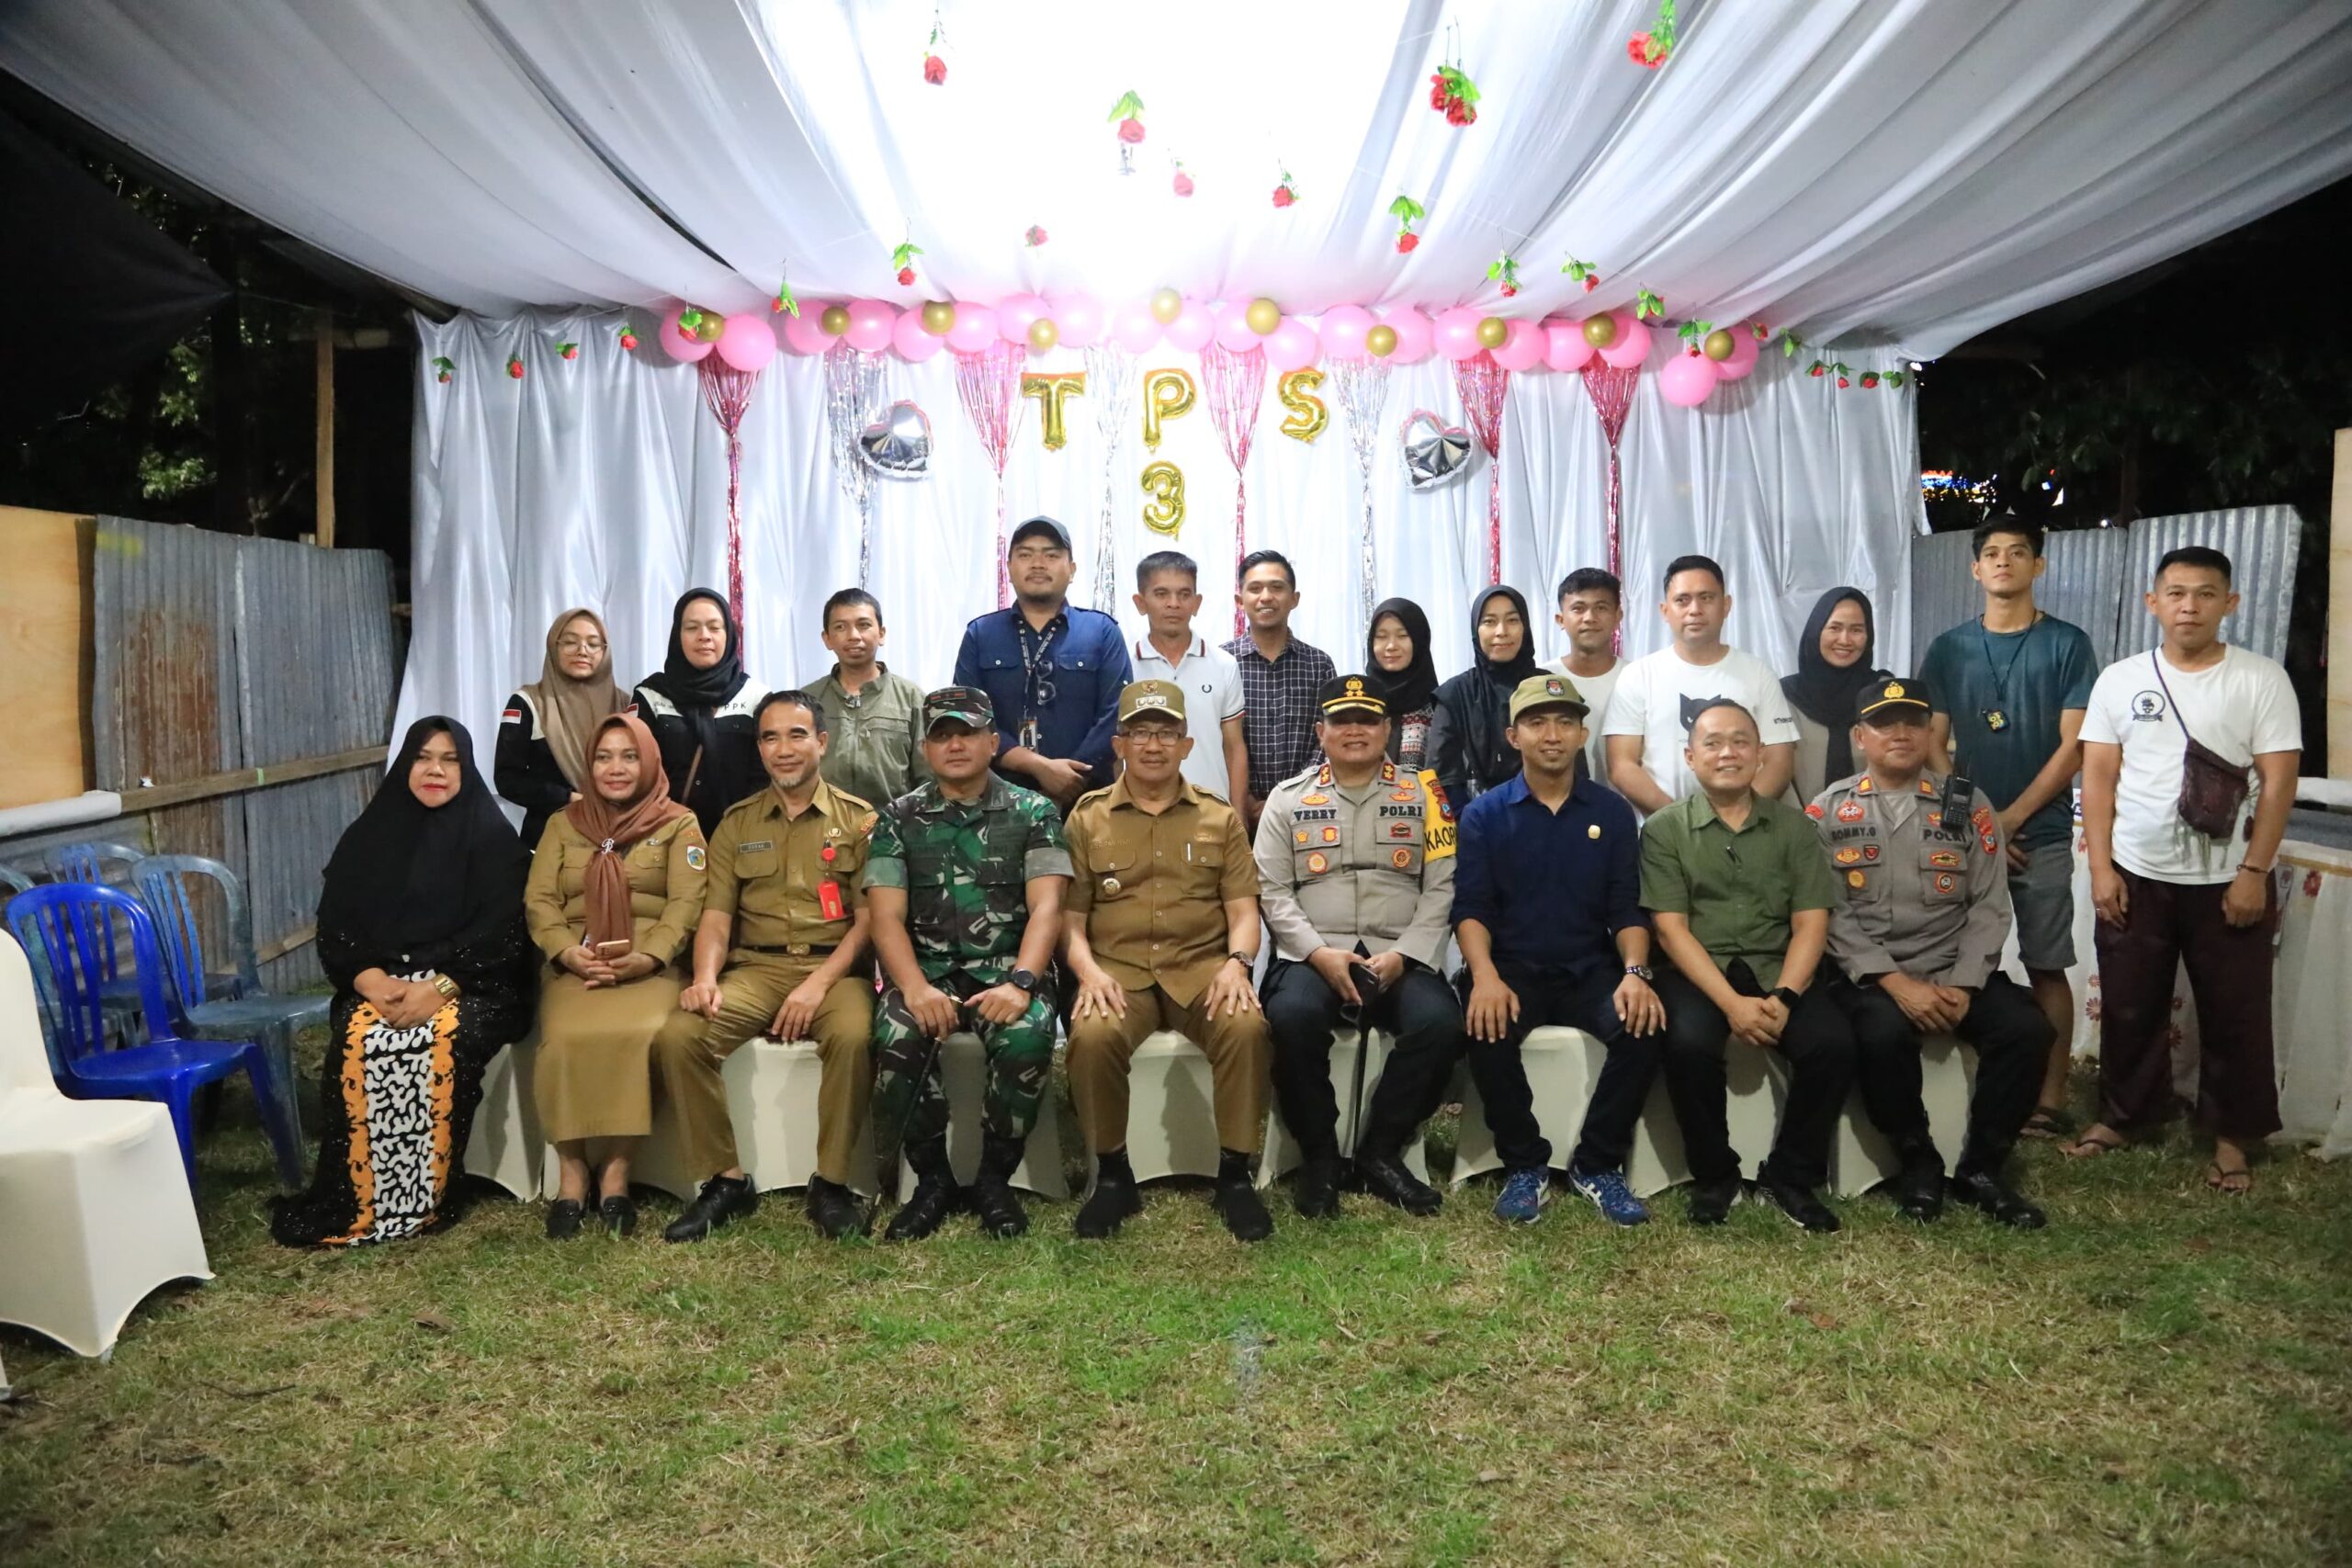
(1309, 416)
(1166, 306)
(1263, 316)
(1493, 332)
(835, 320)
(1166, 394)
(1380, 340)
(1718, 345)
(1050, 387)
(1601, 331)
(1164, 513)
(938, 317)
(1044, 334)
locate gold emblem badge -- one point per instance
(1894, 688)
(1945, 882)
(1400, 859)
(1331, 835)
(1848, 856)
(1300, 836)
(1318, 862)
(1110, 885)
(1857, 879)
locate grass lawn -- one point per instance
(2162, 1376)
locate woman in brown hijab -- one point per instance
(615, 892)
(542, 735)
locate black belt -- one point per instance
(791, 949)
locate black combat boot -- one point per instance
(1236, 1198)
(1114, 1197)
(936, 1194)
(1000, 1212)
(1316, 1191)
(834, 1208)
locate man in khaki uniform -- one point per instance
(1161, 927)
(780, 951)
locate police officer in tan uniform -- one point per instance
(780, 951)
(1355, 863)
(1918, 939)
(1160, 927)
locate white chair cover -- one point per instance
(962, 1074)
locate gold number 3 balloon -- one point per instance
(1166, 394)
(1309, 415)
(1164, 482)
(1050, 387)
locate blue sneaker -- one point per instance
(1524, 1194)
(1610, 1194)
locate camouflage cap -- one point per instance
(1163, 698)
(1547, 691)
(966, 705)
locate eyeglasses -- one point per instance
(1152, 735)
(580, 645)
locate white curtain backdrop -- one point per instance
(603, 481)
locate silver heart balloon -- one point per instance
(1435, 453)
(898, 446)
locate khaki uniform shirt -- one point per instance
(875, 751)
(1375, 865)
(667, 877)
(1924, 895)
(1153, 887)
(771, 874)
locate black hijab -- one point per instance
(1823, 692)
(1505, 675)
(409, 878)
(697, 694)
(1410, 689)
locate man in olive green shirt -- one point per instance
(877, 744)
(1739, 896)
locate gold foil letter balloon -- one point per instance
(1050, 387)
(1166, 394)
(1164, 513)
(1309, 415)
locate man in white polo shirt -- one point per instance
(1168, 595)
(1659, 693)
(2170, 888)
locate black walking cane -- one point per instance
(887, 1148)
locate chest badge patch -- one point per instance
(1814, 811)
(1400, 859)
(694, 857)
(1857, 879)
(1331, 835)
(1849, 856)
(1299, 836)
(1400, 795)
(1946, 882)
(1317, 799)
(1870, 851)
(1849, 811)
(1400, 830)
(1110, 885)
(1318, 862)
(1992, 845)
(1947, 859)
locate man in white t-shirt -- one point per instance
(1168, 595)
(1592, 606)
(2168, 892)
(1658, 694)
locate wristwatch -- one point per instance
(1024, 979)
(1246, 960)
(1785, 997)
(1641, 972)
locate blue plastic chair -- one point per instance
(171, 1066)
(14, 879)
(87, 860)
(239, 1007)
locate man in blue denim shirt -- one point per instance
(1054, 672)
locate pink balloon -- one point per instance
(1524, 349)
(1686, 379)
(803, 335)
(870, 321)
(1193, 328)
(974, 328)
(677, 344)
(1292, 345)
(748, 343)
(1134, 328)
(913, 343)
(1233, 329)
(1081, 320)
(1014, 313)
(1415, 334)
(1564, 349)
(1744, 352)
(1343, 330)
(1632, 344)
(1457, 333)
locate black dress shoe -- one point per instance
(1711, 1201)
(1244, 1210)
(620, 1214)
(1115, 1199)
(1981, 1190)
(935, 1197)
(835, 1209)
(722, 1198)
(1920, 1190)
(1386, 1178)
(563, 1219)
(1316, 1193)
(1801, 1204)
(1000, 1212)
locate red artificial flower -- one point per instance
(1131, 131)
(1457, 112)
(1841, 383)
(572, 351)
(934, 70)
(443, 378)
(1869, 378)
(1404, 243)
(1438, 94)
(514, 368)
(628, 343)
(1183, 182)
(1283, 197)
(1591, 281)
(1034, 235)
(906, 275)
(1469, 113)
(1816, 370)
(1510, 289)
(1638, 48)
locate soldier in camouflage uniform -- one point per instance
(964, 884)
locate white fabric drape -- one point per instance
(1913, 170)
(602, 481)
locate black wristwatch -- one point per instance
(1785, 997)
(1641, 972)
(1024, 979)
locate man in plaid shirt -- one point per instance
(1280, 678)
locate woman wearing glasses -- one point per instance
(542, 735)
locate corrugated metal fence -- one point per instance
(2096, 577)
(214, 652)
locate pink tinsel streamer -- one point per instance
(1611, 391)
(988, 383)
(1482, 383)
(728, 392)
(1236, 383)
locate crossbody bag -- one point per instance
(2212, 788)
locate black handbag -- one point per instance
(2212, 788)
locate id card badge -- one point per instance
(829, 900)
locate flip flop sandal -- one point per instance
(2047, 1122)
(2220, 1181)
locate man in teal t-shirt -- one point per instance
(2010, 688)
